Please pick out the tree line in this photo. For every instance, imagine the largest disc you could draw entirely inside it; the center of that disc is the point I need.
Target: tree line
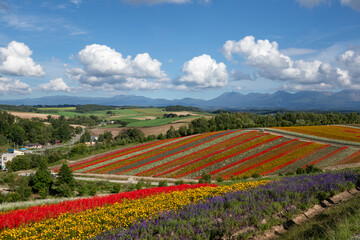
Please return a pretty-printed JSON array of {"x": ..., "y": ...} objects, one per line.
[{"x": 15, "y": 130}]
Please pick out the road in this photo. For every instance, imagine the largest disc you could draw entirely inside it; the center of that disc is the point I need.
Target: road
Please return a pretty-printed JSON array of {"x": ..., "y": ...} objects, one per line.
[{"x": 72, "y": 142}]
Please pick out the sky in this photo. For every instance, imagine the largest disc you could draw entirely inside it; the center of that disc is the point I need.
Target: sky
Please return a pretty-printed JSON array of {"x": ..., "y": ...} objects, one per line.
[{"x": 175, "y": 49}]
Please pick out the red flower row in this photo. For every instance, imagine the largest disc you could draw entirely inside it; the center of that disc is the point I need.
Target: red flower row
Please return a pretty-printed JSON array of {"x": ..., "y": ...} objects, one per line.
[
  {"x": 215, "y": 149},
  {"x": 175, "y": 153},
  {"x": 16, "y": 218}
]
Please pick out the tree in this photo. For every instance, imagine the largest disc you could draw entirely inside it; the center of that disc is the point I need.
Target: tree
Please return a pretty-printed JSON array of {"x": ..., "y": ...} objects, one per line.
[
  {"x": 65, "y": 176},
  {"x": 41, "y": 181},
  {"x": 17, "y": 134},
  {"x": 172, "y": 133}
]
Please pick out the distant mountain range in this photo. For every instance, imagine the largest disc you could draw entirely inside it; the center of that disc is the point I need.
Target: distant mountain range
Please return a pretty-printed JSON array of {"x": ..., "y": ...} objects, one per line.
[{"x": 304, "y": 100}]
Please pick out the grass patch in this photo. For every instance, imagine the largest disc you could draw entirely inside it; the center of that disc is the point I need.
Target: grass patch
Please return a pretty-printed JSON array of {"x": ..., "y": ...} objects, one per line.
[
  {"x": 339, "y": 222},
  {"x": 155, "y": 122}
]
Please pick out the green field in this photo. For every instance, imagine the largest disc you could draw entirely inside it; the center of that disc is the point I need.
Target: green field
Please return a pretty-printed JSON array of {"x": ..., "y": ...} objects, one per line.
[{"x": 132, "y": 116}]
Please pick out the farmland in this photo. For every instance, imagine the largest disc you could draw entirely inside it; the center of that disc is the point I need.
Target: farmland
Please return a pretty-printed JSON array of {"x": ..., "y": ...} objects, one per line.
[
  {"x": 135, "y": 117},
  {"x": 341, "y": 134},
  {"x": 243, "y": 209},
  {"x": 222, "y": 154}
]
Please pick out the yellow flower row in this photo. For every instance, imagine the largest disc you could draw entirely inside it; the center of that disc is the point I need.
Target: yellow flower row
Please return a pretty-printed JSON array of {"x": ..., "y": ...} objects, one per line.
[{"x": 90, "y": 223}]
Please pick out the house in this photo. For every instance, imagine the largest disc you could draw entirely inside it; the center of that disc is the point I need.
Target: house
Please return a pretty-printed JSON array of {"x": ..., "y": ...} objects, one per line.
[
  {"x": 33, "y": 145},
  {"x": 9, "y": 156}
]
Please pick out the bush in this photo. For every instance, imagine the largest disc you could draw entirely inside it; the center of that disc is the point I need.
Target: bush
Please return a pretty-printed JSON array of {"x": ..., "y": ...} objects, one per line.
[
  {"x": 138, "y": 185},
  {"x": 163, "y": 183},
  {"x": 179, "y": 182},
  {"x": 312, "y": 169},
  {"x": 206, "y": 178},
  {"x": 289, "y": 173},
  {"x": 256, "y": 175},
  {"x": 93, "y": 191},
  {"x": 116, "y": 188},
  {"x": 82, "y": 190},
  {"x": 63, "y": 190},
  {"x": 44, "y": 192},
  {"x": 245, "y": 177},
  {"x": 219, "y": 179},
  {"x": 300, "y": 171}
]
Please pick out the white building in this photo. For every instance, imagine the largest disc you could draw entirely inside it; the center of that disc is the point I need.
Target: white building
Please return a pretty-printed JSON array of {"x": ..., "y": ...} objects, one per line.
[{"x": 6, "y": 157}]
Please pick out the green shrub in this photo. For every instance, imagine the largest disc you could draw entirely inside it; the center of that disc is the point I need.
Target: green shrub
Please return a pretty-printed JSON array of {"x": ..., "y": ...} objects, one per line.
[
  {"x": 138, "y": 185},
  {"x": 93, "y": 191},
  {"x": 256, "y": 175},
  {"x": 116, "y": 188},
  {"x": 206, "y": 177},
  {"x": 179, "y": 182},
  {"x": 163, "y": 183},
  {"x": 219, "y": 179},
  {"x": 300, "y": 171},
  {"x": 312, "y": 169},
  {"x": 245, "y": 177}
]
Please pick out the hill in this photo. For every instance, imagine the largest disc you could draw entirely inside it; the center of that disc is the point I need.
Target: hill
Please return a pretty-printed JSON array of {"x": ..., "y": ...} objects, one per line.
[
  {"x": 346, "y": 100},
  {"x": 222, "y": 154}
]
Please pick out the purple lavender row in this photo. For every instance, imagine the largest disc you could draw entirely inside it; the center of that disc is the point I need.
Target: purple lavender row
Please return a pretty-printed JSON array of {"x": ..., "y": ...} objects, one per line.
[{"x": 253, "y": 210}]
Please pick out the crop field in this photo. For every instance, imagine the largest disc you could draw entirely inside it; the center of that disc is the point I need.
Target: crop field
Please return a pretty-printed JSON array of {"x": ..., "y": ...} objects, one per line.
[
  {"x": 342, "y": 133},
  {"x": 199, "y": 211},
  {"x": 136, "y": 117},
  {"x": 222, "y": 154}
]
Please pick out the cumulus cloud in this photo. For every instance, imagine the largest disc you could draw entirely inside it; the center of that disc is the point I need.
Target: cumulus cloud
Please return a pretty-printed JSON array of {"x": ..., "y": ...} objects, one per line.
[
  {"x": 10, "y": 86},
  {"x": 203, "y": 72},
  {"x": 103, "y": 65},
  {"x": 349, "y": 63},
  {"x": 297, "y": 74},
  {"x": 15, "y": 60},
  {"x": 55, "y": 85},
  {"x": 355, "y": 4}
]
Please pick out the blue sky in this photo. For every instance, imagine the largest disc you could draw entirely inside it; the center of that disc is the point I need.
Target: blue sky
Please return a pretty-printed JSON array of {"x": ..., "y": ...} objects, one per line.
[{"x": 177, "y": 48}]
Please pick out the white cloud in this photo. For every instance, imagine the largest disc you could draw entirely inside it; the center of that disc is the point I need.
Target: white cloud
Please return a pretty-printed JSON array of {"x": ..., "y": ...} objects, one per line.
[
  {"x": 204, "y": 72},
  {"x": 55, "y": 85},
  {"x": 355, "y": 4},
  {"x": 311, "y": 3},
  {"x": 10, "y": 86},
  {"x": 272, "y": 64},
  {"x": 105, "y": 66},
  {"x": 350, "y": 62},
  {"x": 15, "y": 60},
  {"x": 40, "y": 23},
  {"x": 297, "y": 75},
  {"x": 76, "y": 2}
]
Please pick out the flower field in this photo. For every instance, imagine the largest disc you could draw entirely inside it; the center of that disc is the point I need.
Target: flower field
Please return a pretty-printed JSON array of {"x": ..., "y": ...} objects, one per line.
[
  {"x": 224, "y": 154},
  {"x": 238, "y": 214},
  {"x": 343, "y": 133},
  {"x": 82, "y": 219}
]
